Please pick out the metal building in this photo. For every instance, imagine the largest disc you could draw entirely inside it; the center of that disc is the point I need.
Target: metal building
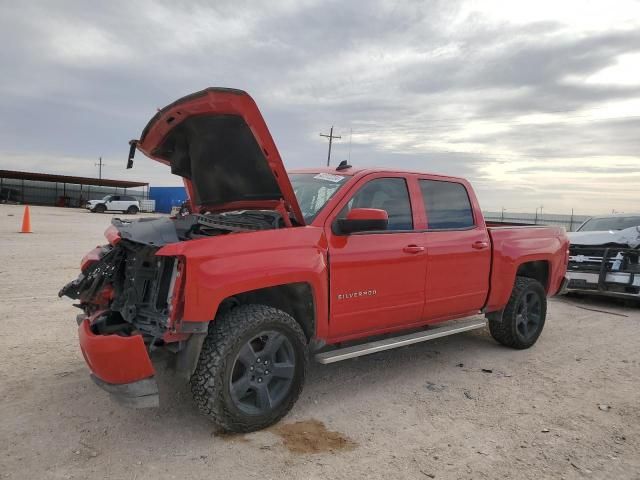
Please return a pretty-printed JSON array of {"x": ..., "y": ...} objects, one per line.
[
  {"x": 62, "y": 190},
  {"x": 167, "y": 197}
]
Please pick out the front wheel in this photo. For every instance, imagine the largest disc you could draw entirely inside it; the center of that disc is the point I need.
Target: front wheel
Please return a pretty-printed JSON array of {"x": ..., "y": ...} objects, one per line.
[
  {"x": 523, "y": 317},
  {"x": 100, "y": 208},
  {"x": 251, "y": 369}
]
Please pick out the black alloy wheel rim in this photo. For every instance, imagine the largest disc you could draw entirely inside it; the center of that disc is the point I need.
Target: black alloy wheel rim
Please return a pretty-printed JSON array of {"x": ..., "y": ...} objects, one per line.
[
  {"x": 529, "y": 315},
  {"x": 262, "y": 373}
]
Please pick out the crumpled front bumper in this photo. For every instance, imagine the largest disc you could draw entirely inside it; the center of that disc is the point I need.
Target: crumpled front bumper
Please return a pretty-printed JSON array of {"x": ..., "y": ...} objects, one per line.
[
  {"x": 120, "y": 365},
  {"x": 600, "y": 284}
]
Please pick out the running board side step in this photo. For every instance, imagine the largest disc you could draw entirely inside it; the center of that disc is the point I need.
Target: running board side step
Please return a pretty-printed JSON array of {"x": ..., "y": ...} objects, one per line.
[{"x": 451, "y": 328}]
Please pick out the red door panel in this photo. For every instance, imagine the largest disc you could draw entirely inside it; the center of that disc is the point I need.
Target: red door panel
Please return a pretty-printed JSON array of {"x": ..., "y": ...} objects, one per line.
[
  {"x": 458, "y": 249},
  {"x": 376, "y": 282},
  {"x": 377, "y": 279},
  {"x": 458, "y": 265}
]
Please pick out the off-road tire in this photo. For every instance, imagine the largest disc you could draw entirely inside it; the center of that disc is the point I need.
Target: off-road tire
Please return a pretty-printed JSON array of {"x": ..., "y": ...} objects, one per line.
[
  {"x": 132, "y": 210},
  {"x": 506, "y": 331},
  {"x": 100, "y": 208},
  {"x": 210, "y": 383}
]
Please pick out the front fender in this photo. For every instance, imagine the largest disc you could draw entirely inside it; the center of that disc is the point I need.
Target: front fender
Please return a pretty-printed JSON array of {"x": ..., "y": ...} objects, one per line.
[{"x": 224, "y": 266}]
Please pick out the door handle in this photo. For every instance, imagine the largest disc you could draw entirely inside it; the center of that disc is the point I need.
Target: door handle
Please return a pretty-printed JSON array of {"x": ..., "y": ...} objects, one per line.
[
  {"x": 479, "y": 245},
  {"x": 413, "y": 249}
]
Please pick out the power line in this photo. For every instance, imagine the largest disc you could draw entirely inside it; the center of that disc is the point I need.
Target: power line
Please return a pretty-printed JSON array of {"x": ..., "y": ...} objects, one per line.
[{"x": 331, "y": 136}]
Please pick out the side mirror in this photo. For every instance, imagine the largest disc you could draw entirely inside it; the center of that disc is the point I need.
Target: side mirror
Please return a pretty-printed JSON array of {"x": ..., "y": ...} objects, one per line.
[{"x": 363, "y": 220}]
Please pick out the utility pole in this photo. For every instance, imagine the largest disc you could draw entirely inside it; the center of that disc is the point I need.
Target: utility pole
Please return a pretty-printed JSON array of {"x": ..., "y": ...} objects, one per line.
[
  {"x": 331, "y": 136},
  {"x": 538, "y": 208},
  {"x": 99, "y": 165}
]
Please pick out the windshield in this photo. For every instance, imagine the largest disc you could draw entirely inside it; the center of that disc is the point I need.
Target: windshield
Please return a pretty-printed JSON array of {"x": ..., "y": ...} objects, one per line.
[
  {"x": 313, "y": 191},
  {"x": 106, "y": 199},
  {"x": 609, "y": 223}
]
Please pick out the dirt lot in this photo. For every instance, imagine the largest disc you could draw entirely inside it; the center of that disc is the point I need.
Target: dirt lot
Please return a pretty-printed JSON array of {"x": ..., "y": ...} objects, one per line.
[{"x": 458, "y": 407}]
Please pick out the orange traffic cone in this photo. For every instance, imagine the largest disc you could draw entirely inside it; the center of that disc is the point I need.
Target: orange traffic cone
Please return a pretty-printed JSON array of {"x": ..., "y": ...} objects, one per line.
[{"x": 26, "y": 220}]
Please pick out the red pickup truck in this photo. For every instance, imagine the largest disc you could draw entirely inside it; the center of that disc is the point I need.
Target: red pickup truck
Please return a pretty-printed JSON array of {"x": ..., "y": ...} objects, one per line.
[{"x": 271, "y": 268}]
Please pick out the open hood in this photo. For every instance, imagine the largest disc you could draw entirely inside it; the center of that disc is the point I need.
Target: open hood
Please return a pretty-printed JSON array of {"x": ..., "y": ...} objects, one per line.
[
  {"x": 219, "y": 143},
  {"x": 629, "y": 237}
]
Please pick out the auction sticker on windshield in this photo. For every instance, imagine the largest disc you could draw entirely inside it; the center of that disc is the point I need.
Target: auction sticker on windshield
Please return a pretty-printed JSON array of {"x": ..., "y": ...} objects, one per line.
[{"x": 329, "y": 177}]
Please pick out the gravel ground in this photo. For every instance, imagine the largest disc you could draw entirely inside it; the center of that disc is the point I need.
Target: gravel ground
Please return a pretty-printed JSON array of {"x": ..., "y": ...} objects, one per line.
[{"x": 457, "y": 407}]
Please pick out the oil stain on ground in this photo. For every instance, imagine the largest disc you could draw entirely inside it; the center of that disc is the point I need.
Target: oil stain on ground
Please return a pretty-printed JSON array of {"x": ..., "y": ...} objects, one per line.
[{"x": 311, "y": 436}]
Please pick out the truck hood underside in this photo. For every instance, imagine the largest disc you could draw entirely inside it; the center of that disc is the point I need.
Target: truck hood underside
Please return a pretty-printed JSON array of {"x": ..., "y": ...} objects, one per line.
[{"x": 219, "y": 143}]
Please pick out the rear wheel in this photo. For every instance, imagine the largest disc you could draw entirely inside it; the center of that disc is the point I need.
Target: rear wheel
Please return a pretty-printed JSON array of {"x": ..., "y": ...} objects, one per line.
[
  {"x": 251, "y": 369},
  {"x": 523, "y": 317},
  {"x": 132, "y": 210},
  {"x": 100, "y": 208}
]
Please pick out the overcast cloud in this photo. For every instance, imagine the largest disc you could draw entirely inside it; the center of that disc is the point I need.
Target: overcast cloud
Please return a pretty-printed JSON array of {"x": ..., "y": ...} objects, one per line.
[{"x": 537, "y": 103}]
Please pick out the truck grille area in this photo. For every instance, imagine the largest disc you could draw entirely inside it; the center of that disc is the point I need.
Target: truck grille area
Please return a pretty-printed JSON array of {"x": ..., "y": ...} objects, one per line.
[
  {"x": 604, "y": 269},
  {"x": 591, "y": 259},
  {"x": 132, "y": 282}
]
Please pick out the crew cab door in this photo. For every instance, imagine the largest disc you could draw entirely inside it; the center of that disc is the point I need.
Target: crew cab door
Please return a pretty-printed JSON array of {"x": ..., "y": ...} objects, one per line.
[
  {"x": 377, "y": 278},
  {"x": 458, "y": 249}
]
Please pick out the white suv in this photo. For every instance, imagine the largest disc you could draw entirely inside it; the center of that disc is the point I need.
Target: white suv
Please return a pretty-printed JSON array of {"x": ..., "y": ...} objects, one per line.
[{"x": 121, "y": 203}]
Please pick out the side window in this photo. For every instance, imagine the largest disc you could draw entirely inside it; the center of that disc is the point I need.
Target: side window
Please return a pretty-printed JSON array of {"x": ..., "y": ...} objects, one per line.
[
  {"x": 115, "y": 198},
  {"x": 388, "y": 194},
  {"x": 128, "y": 199},
  {"x": 447, "y": 204}
]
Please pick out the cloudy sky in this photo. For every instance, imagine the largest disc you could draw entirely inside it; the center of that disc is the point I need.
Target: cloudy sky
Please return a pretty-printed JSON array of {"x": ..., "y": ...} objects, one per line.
[{"x": 537, "y": 103}]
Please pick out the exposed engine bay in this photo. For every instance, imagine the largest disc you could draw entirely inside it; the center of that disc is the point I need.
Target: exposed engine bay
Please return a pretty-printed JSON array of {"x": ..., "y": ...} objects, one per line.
[
  {"x": 135, "y": 286},
  {"x": 161, "y": 231}
]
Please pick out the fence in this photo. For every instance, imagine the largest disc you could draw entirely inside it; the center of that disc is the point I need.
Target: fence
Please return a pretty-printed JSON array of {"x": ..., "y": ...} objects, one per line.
[{"x": 570, "y": 222}]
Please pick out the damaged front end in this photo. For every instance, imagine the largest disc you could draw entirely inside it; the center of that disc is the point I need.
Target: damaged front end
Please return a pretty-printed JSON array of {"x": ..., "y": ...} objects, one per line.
[
  {"x": 611, "y": 268},
  {"x": 129, "y": 281},
  {"x": 125, "y": 292},
  {"x": 130, "y": 292},
  {"x": 608, "y": 270},
  {"x": 132, "y": 299}
]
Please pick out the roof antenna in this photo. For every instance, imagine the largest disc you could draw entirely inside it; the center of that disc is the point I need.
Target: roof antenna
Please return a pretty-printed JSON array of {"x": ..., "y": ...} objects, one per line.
[{"x": 344, "y": 165}]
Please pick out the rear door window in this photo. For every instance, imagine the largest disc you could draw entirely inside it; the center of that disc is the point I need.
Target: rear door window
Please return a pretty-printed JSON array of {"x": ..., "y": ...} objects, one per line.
[{"x": 447, "y": 205}]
